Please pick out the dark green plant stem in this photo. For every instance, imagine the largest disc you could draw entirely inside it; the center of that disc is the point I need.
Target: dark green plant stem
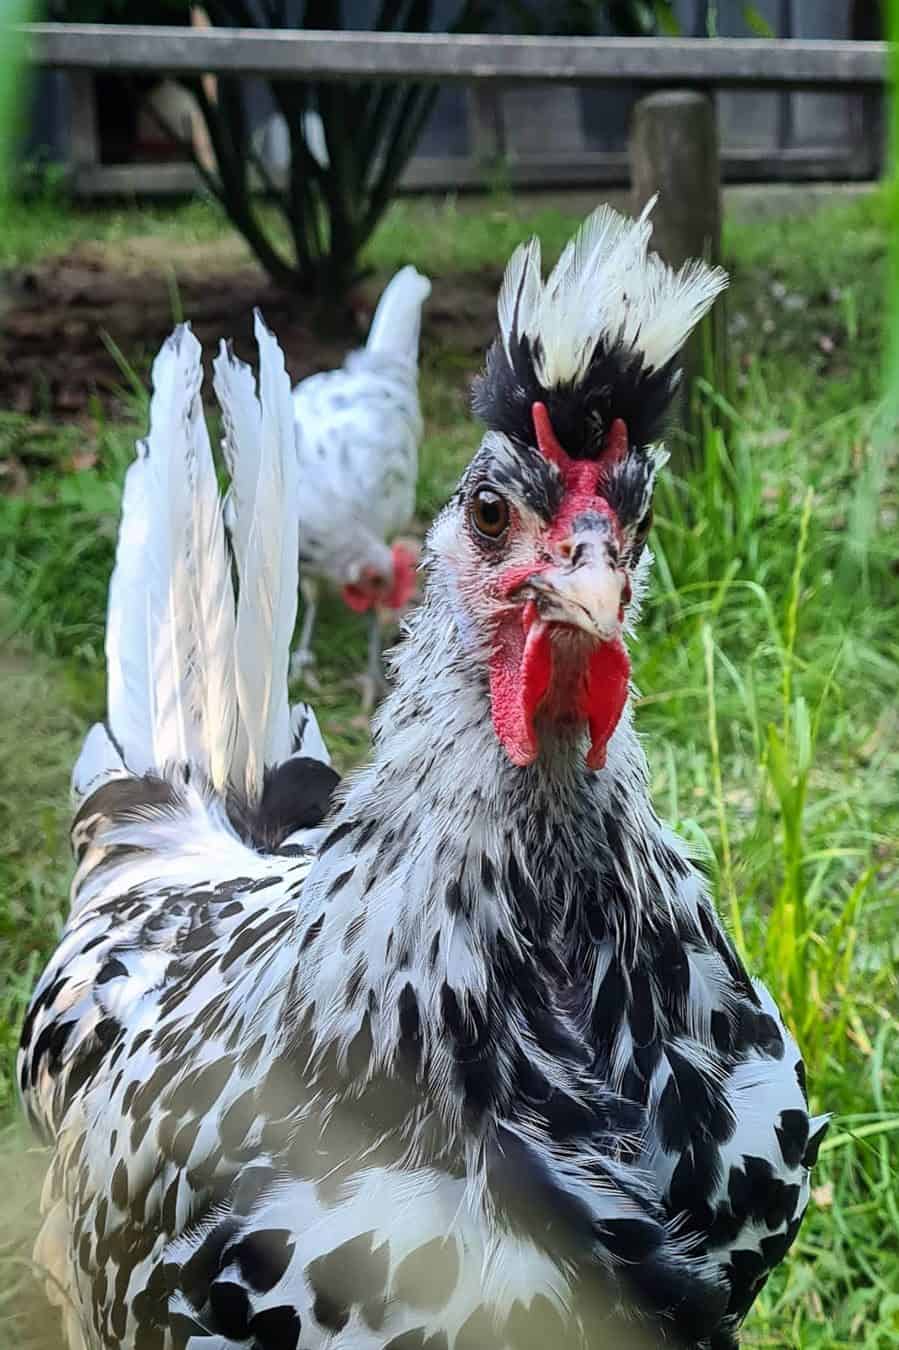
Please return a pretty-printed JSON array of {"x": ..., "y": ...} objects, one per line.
[
  {"x": 371, "y": 129},
  {"x": 235, "y": 197}
]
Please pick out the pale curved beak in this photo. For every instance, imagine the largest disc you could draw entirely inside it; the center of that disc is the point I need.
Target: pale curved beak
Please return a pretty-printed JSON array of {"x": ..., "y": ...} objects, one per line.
[{"x": 585, "y": 590}]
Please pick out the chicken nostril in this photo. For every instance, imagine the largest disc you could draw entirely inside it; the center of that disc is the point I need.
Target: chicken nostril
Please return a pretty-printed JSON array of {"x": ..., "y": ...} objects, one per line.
[{"x": 579, "y": 554}]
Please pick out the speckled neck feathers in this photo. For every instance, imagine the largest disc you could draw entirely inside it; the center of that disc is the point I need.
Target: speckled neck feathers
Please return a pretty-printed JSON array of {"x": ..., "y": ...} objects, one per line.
[{"x": 452, "y": 873}]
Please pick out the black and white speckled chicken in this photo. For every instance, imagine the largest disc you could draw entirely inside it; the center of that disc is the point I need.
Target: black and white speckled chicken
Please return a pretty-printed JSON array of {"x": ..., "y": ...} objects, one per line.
[
  {"x": 358, "y": 432},
  {"x": 459, "y": 1057}
]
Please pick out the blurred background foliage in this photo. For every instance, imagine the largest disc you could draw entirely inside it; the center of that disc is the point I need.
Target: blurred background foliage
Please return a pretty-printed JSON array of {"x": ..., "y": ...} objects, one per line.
[{"x": 340, "y": 151}]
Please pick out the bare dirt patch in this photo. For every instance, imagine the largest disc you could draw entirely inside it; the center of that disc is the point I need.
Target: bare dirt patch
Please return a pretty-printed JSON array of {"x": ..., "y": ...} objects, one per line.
[{"x": 54, "y": 362}]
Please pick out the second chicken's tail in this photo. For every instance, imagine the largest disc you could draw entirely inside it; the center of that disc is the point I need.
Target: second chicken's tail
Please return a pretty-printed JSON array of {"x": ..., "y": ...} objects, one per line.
[{"x": 396, "y": 326}]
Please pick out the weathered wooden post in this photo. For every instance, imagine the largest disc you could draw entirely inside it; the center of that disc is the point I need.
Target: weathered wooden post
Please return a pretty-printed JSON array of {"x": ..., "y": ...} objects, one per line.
[
  {"x": 84, "y": 135},
  {"x": 674, "y": 151}
]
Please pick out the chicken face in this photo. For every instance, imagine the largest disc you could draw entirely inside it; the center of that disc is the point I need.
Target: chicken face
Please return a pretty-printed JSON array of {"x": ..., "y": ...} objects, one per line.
[
  {"x": 539, "y": 550},
  {"x": 390, "y": 587}
]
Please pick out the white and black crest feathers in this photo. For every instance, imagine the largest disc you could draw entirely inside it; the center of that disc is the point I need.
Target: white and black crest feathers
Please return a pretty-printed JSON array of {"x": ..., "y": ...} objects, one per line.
[{"x": 598, "y": 340}]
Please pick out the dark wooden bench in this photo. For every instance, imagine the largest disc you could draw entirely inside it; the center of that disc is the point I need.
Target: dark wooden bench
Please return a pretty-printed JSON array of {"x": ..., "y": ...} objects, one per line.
[
  {"x": 715, "y": 62},
  {"x": 486, "y": 65}
]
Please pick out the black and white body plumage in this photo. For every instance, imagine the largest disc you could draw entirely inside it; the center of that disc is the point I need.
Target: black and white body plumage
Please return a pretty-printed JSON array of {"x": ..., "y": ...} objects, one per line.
[
  {"x": 471, "y": 1064},
  {"x": 358, "y": 433}
]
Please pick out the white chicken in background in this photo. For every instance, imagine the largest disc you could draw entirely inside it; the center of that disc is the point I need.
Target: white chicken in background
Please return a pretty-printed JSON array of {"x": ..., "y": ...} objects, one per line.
[{"x": 358, "y": 432}]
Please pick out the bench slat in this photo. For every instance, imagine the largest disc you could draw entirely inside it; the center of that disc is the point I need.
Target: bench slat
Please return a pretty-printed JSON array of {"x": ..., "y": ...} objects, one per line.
[{"x": 301, "y": 54}]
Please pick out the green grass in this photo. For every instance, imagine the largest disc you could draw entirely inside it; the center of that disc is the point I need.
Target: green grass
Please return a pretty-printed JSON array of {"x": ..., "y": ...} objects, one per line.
[
  {"x": 45, "y": 224},
  {"x": 768, "y": 658}
]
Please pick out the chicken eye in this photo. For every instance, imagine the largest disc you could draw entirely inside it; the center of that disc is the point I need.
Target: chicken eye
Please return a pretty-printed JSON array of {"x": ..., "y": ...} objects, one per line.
[{"x": 489, "y": 513}]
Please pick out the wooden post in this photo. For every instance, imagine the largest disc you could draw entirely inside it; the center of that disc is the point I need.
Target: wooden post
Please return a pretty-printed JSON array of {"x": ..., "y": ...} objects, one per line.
[
  {"x": 867, "y": 119},
  {"x": 486, "y": 122},
  {"x": 674, "y": 152},
  {"x": 84, "y": 139}
]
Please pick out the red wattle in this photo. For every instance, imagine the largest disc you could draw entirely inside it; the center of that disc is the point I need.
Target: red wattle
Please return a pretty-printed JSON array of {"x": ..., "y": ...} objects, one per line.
[
  {"x": 357, "y": 598},
  {"x": 403, "y": 588},
  {"x": 603, "y": 696},
  {"x": 520, "y": 672},
  {"x": 521, "y": 664}
]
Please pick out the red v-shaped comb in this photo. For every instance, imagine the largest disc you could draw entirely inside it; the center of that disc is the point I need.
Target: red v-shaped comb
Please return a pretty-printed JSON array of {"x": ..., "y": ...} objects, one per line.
[{"x": 613, "y": 452}]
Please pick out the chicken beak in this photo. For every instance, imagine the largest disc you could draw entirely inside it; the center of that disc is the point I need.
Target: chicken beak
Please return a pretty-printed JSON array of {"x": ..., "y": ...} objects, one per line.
[{"x": 583, "y": 589}]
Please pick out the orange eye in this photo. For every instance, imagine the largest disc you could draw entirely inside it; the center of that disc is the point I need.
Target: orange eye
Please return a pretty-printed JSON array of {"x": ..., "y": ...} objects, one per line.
[{"x": 489, "y": 513}]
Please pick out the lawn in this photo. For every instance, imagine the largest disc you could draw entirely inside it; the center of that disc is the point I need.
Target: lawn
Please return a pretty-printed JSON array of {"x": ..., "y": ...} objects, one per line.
[{"x": 768, "y": 658}]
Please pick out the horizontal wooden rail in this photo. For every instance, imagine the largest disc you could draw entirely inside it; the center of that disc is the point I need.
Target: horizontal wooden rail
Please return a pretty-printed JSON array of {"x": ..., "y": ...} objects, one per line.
[{"x": 301, "y": 54}]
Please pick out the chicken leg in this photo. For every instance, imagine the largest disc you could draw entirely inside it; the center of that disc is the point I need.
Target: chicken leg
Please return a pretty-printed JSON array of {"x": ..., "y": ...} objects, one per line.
[
  {"x": 373, "y": 683},
  {"x": 302, "y": 658}
]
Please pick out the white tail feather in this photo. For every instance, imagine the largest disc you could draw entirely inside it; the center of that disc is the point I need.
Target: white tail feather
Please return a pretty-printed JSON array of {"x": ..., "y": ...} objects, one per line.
[
  {"x": 396, "y": 325},
  {"x": 214, "y": 617},
  {"x": 99, "y": 762},
  {"x": 193, "y": 677},
  {"x": 151, "y": 639},
  {"x": 260, "y": 451},
  {"x": 277, "y": 511}
]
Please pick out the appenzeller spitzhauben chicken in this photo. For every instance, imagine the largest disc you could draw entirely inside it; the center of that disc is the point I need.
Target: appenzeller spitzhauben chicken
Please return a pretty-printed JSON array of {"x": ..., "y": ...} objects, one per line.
[{"x": 457, "y": 1057}]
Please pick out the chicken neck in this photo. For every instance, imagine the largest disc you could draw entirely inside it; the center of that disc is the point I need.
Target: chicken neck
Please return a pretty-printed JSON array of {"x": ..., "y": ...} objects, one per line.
[{"x": 457, "y": 890}]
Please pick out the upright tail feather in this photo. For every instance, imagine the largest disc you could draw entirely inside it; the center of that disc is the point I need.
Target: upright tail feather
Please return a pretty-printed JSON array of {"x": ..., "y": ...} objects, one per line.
[
  {"x": 196, "y": 676},
  {"x": 170, "y": 624},
  {"x": 260, "y": 452},
  {"x": 397, "y": 323}
]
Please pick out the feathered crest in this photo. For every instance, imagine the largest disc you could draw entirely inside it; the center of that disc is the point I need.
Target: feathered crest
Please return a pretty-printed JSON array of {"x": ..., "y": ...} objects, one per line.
[{"x": 598, "y": 340}]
